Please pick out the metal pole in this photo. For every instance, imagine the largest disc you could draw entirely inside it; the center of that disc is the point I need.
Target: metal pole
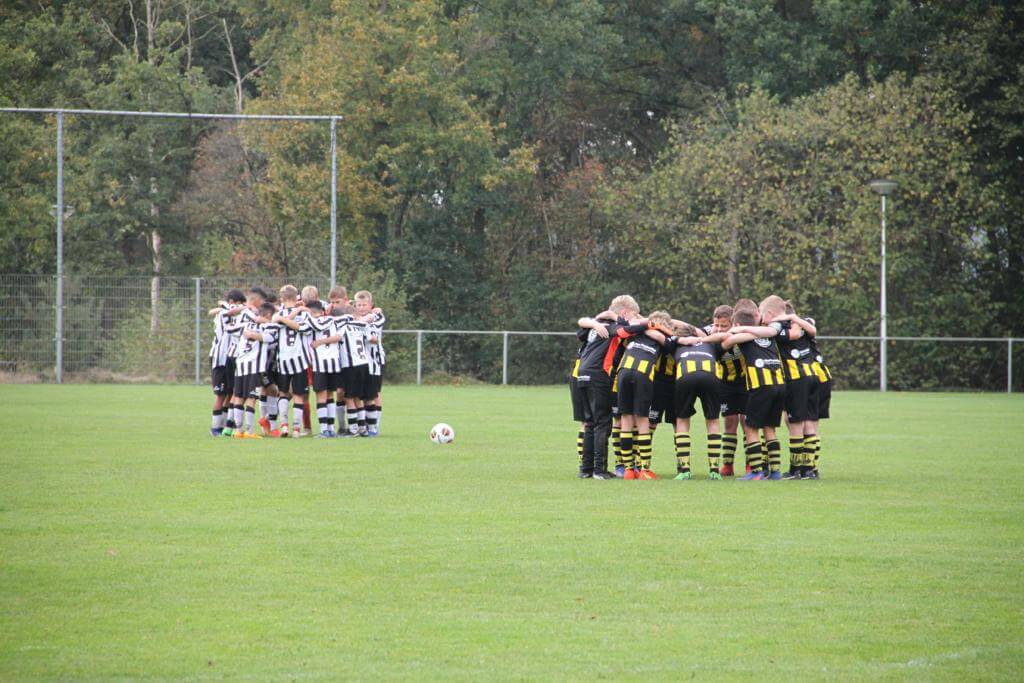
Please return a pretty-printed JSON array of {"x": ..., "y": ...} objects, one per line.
[
  {"x": 198, "y": 280},
  {"x": 883, "y": 380},
  {"x": 504, "y": 357},
  {"x": 419, "y": 356},
  {"x": 59, "y": 367},
  {"x": 334, "y": 201},
  {"x": 1009, "y": 365}
]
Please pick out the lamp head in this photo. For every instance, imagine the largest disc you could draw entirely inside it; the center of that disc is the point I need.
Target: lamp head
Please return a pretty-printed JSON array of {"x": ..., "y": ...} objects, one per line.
[{"x": 883, "y": 187}]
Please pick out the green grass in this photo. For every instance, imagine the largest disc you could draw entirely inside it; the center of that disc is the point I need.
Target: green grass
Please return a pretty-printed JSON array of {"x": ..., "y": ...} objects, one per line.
[{"x": 134, "y": 545}]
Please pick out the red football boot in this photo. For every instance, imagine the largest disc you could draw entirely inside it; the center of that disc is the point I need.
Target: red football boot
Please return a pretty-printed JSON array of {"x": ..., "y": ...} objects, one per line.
[
  {"x": 264, "y": 424},
  {"x": 648, "y": 474},
  {"x": 726, "y": 471},
  {"x": 631, "y": 474}
]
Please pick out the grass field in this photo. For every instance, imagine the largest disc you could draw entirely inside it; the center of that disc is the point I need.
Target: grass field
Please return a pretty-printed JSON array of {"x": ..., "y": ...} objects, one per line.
[{"x": 134, "y": 545}]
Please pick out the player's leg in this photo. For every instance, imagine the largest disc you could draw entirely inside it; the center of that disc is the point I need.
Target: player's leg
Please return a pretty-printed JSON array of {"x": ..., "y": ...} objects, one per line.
[
  {"x": 711, "y": 405},
  {"x": 730, "y": 441},
  {"x": 752, "y": 445},
  {"x": 773, "y": 449},
  {"x": 601, "y": 414},
  {"x": 682, "y": 443}
]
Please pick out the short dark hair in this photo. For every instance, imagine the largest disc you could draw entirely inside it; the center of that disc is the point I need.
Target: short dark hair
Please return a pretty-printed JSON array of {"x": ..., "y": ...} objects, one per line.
[
  {"x": 744, "y": 316},
  {"x": 268, "y": 309},
  {"x": 314, "y": 305},
  {"x": 235, "y": 296},
  {"x": 723, "y": 311}
]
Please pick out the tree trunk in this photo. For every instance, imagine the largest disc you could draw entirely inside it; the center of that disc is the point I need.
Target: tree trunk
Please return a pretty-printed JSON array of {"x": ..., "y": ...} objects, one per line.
[
  {"x": 154, "y": 243},
  {"x": 733, "y": 275}
]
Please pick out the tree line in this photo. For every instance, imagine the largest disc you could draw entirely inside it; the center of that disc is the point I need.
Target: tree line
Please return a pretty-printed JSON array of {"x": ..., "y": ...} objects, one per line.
[{"x": 510, "y": 164}]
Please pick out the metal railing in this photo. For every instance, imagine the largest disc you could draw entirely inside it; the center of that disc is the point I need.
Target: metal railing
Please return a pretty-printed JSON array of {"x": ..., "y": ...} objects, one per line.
[{"x": 108, "y": 322}]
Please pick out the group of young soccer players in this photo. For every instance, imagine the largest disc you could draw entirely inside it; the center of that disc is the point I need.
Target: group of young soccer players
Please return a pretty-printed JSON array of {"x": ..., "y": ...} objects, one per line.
[
  {"x": 749, "y": 366},
  {"x": 270, "y": 349}
]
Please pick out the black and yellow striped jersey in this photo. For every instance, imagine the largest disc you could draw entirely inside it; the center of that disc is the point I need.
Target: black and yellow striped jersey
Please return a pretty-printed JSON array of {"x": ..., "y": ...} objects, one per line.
[
  {"x": 763, "y": 365},
  {"x": 665, "y": 368},
  {"x": 796, "y": 354},
  {"x": 733, "y": 369},
  {"x": 701, "y": 357},
  {"x": 818, "y": 365}
]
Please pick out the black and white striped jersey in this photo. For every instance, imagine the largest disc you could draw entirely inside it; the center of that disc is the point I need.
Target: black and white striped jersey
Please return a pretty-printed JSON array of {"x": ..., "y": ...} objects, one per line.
[
  {"x": 353, "y": 351},
  {"x": 254, "y": 356},
  {"x": 234, "y": 328},
  {"x": 325, "y": 359},
  {"x": 221, "y": 339},
  {"x": 375, "y": 329},
  {"x": 293, "y": 345}
]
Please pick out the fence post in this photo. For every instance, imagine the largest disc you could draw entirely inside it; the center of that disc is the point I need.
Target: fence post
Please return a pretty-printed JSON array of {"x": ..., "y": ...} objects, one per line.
[
  {"x": 59, "y": 360},
  {"x": 1009, "y": 365},
  {"x": 504, "y": 358},
  {"x": 198, "y": 280},
  {"x": 419, "y": 356}
]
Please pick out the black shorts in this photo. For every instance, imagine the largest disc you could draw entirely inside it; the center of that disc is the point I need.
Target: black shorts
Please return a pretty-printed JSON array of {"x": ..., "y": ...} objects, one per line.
[
  {"x": 597, "y": 401},
  {"x": 799, "y": 394},
  {"x": 579, "y": 413},
  {"x": 246, "y": 385},
  {"x": 297, "y": 384},
  {"x": 636, "y": 393},
  {"x": 222, "y": 379},
  {"x": 354, "y": 381},
  {"x": 764, "y": 406},
  {"x": 733, "y": 397},
  {"x": 694, "y": 385},
  {"x": 824, "y": 399},
  {"x": 269, "y": 377},
  {"x": 663, "y": 408},
  {"x": 373, "y": 384},
  {"x": 326, "y": 381}
]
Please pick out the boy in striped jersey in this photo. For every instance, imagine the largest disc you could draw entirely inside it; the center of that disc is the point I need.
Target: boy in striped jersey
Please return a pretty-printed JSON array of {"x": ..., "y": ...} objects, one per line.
[
  {"x": 242, "y": 316},
  {"x": 292, "y": 361},
  {"x": 251, "y": 361},
  {"x": 355, "y": 371},
  {"x": 767, "y": 392},
  {"x": 375, "y": 351},
  {"x": 733, "y": 391},
  {"x": 326, "y": 365},
  {"x": 222, "y": 364}
]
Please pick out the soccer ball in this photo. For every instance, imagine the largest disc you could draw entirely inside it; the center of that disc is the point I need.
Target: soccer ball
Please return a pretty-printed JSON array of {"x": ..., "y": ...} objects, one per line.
[{"x": 442, "y": 433}]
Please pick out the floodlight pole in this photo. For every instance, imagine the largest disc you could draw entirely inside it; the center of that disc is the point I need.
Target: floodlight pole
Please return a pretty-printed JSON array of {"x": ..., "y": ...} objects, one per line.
[
  {"x": 883, "y": 379},
  {"x": 883, "y": 188},
  {"x": 334, "y": 200},
  {"x": 59, "y": 340}
]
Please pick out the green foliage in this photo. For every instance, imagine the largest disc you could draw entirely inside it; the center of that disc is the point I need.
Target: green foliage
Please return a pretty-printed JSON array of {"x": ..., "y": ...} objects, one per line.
[{"x": 516, "y": 164}]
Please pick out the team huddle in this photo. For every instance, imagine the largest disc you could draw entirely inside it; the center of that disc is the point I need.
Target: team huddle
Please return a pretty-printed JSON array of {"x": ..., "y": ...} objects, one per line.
[
  {"x": 751, "y": 364},
  {"x": 271, "y": 349}
]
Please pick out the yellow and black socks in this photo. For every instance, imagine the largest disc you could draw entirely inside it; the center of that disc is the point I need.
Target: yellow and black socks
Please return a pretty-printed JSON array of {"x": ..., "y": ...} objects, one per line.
[
  {"x": 714, "y": 451},
  {"x": 812, "y": 446},
  {"x": 626, "y": 444},
  {"x": 644, "y": 450},
  {"x": 729, "y": 444},
  {"x": 796, "y": 453},
  {"x": 682, "y": 452},
  {"x": 580, "y": 436},
  {"x": 774, "y": 452},
  {"x": 754, "y": 457},
  {"x": 617, "y": 446}
]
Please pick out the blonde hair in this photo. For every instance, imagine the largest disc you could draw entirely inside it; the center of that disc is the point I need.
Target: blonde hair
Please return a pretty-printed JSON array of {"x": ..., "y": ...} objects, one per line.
[
  {"x": 338, "y": 292},
  {"x": 624, "y": 302},
  {"x": 310, "y": 293},
  {"x": 289, "y": 293},
  {"x": 772, "y": 305},
  {"x": 660, "y": 317},
  {"x": 685, "y": 330},
  {"x": 364, "y": 295}
]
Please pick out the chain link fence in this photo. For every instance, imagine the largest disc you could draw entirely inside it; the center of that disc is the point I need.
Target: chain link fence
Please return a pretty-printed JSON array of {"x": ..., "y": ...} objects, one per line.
[{"x": 135, "y": 329}]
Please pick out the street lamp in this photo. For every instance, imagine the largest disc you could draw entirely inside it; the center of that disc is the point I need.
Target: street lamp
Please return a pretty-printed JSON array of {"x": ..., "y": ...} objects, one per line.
[{"x": 883, "y": 188}]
